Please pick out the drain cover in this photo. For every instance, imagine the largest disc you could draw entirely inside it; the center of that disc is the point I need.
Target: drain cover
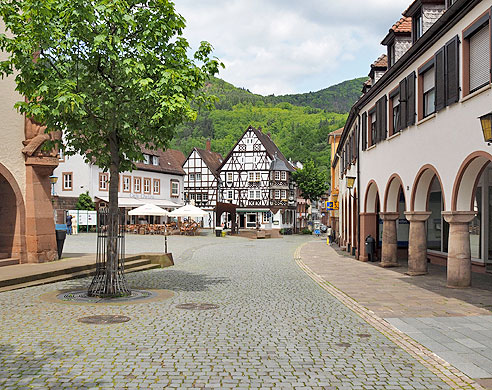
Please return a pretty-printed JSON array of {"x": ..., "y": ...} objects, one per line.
[
  {"x": 81, "y": 296},
  {"x": 105, "y": 319},
  {"x": 343, "y": 344},
  {"x": 197, "y": 306},
  {"x": 364, "y": 335}
]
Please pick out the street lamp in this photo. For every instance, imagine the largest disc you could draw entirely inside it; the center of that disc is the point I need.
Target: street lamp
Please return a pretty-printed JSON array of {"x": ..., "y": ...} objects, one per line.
[
  {"x": 486, "y": 122},
  {"x": 53, "y": 180},
  {"x": 350, "y": 182}
]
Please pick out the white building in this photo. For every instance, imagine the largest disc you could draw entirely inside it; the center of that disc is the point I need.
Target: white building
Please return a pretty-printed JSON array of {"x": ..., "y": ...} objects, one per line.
[
  {"x": 200, "y": 182},
  {"x": 157, "y": 180},
  {"x": 415, "y": 146},
  {"x": 256, "y": 180}
]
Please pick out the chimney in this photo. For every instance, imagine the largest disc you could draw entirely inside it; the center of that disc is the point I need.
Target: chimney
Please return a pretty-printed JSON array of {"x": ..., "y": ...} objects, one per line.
[
  {"x": 269, "y": 135},
  {"x": 208, "y": 146}
]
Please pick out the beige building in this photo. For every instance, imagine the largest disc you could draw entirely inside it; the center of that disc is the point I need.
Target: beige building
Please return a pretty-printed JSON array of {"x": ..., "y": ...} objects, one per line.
[
  {"x": 414, "y": 144},
  {"x": 27, "y": 230}
]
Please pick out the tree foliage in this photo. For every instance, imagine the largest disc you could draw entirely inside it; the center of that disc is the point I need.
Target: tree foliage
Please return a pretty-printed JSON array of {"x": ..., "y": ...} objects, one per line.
[
  {"x": 311, "y": 181},
  {"x": 85, "y": 202}
]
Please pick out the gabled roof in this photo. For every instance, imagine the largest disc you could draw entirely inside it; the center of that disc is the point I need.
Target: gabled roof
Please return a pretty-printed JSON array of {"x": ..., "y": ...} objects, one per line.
[
  {"x": 404, "y": 25},
  {"x": 170, "y": 161},
  {"x": 381, "y": 62},
  {"x": 211, "y": 159},
  {"x": 269, "y": 145}
]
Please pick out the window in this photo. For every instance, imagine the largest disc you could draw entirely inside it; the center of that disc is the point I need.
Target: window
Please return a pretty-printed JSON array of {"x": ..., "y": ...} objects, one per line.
[
  {"x": 284, "y": 195},
  {"x": 418, "y": 26},
  {"x": 192, "y": 196},
  {"x": 266, "y": 217},
  {"x": 429, "y": 93},
  {"x": 127, "y": 183},
  {"x": 257, "y": 176},
  {"x": 284, "y": 176},
  {"x": 205, "y": 197},
  {"x": 61, "y": 155},
  {"x": 476, "y": 54},
  {"x": 192, "y": 177},
  {"x": 67, "y": 184},
  {"x": 277, "y": 194},
  {"x": 155, "y": 160},
  {"x": 229, "y": 177},
  {"x": 174, "y": 188},
  {"x": 373, "y": 127},
  {"x": 103, "y": 181},
  {"x": 137, "y": 181},
  {"x": 228, "y": 194},
  {"x": 395, "y": 113},
  {"x": 391, "y": 54},
  {"x": 146, "y": 158},
  {"x": 277, "y": 175},
  {"x": 198, "y": 197},
  {"x": 198, "y": 176},
  {"x": 157, "y": 186},
  {"x": 146, "y": 185},
  {"x": 254, "y": 194},
  {"x": 251, "y": 176}
]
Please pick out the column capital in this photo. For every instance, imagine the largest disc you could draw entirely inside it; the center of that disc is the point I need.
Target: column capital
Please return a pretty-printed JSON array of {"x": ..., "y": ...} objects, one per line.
[
  {"x": 389, "y": 216},
  {"x": 458, "y": 216},
  {"x": 417, "y": 216}
]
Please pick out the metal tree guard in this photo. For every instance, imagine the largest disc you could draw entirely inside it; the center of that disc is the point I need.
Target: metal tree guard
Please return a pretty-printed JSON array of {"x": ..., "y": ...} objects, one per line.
[{"x": 109, "y": 280}]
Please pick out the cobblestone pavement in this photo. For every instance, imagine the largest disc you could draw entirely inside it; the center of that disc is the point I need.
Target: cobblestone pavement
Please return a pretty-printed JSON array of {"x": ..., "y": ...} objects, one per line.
[{"x": 274, "y": 328}]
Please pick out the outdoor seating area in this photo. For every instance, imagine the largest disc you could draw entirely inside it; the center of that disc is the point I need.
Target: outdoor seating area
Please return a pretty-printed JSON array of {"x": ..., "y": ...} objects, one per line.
[{"x": 184, "y": 228}]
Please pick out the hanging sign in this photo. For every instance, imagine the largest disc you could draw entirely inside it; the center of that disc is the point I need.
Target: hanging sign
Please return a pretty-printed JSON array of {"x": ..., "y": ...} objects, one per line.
[{"x": 331, "y": 206}]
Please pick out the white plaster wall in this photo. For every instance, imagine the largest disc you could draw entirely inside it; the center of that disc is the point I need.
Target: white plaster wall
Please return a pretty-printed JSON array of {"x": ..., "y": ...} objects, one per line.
[
  {"x": 443, "y": 141},
  {"x": 11, "y": 128}
]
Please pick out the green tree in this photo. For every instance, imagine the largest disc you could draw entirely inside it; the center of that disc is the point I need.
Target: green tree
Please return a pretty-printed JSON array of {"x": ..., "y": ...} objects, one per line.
[
  {"x": 85, "y": 202},
  {"x": 113, "y": 75},
  {"x": 311, "y": 181}
]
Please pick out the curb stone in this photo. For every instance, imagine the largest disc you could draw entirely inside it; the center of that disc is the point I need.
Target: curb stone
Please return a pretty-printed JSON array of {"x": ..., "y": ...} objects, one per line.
[{"x": 442, "y": 369}]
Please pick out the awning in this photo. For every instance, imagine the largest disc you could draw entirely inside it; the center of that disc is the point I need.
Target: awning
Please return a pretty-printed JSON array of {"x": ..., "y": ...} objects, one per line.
[
  {"x": 132, "y": 202},
  {"x": 252, "y": 210}
]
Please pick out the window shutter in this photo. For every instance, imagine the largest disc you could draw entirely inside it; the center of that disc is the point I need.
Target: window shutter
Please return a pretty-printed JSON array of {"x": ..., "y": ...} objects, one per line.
[
  {"x": 480, "y": 58},
  {"x": 378, "y": 121},
  {"x": 440, "y": 79},
  {"x": 403, "y": 104},
  {"x": 410, "y": 100},
  {"x": 452, "y": 71},
  {"x": 364, "y": 131},
  {"x": 384, "y": 117}
]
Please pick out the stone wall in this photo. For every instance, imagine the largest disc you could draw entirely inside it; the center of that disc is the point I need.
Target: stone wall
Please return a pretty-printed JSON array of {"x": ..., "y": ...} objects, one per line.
[
  {"x": 402, "y": 44},
  {"x": 430, "y": 14},
  {"x": 62, "y": 204}
]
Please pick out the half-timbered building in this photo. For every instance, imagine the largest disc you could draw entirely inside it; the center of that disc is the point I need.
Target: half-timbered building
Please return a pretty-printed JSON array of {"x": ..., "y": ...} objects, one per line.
[
  {"x": 256, "y": 178},
  {"x": 200, "y": 182}
]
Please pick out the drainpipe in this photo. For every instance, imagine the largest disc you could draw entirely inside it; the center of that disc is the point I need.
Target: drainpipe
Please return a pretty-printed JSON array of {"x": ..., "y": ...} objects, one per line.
[{"x": 358, "y": 187}]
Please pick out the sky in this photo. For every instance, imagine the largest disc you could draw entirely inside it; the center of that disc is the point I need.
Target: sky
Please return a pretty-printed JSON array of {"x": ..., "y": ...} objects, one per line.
[{"x": 291, "y": 46}]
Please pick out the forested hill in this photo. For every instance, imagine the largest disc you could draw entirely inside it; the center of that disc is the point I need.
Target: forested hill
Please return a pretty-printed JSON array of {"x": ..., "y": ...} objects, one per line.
[{"x": 299, "y": 124}]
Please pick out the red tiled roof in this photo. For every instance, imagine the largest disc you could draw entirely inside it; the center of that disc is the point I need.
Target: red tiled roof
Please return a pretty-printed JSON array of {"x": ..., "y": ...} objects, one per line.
[
  {"x": 337, "y": 132},
  {"x": 381, "y": 62},
  {"x": 212, "y": 159},
  {"x": 170, "y": 161},
  {"x": 404, "y": 25}
]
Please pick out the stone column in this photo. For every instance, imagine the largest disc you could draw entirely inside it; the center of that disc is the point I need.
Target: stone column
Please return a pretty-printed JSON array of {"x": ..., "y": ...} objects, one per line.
[
  {"x": 390, "y": 244},
  {"x": 459, "y": 254},
  {"x": 417, "y": 242}
]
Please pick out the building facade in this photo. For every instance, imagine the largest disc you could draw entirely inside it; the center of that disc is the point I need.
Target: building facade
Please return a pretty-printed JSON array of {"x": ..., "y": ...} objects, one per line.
[
  {"x": 414, "y": 144},
  {"x": 157, "y": 180},
  {"x": 257, "y": 179},
  {"x": 201, "y": 181}
]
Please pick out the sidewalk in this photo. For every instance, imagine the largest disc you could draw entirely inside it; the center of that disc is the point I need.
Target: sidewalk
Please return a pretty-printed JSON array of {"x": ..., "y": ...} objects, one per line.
[{"x": 455, "y": 324}]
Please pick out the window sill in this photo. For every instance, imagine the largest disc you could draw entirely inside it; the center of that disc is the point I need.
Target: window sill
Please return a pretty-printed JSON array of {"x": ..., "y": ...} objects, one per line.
[
  {"x": 371, "y": 147},
  {"x": 427, "y": 118},
  {"x": 477, "y": 92},
  {"x": 394, "y": 135}
]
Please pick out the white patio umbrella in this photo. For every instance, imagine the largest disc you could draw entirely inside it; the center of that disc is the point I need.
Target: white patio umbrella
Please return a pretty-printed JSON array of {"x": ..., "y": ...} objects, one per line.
[
  {"x": 188, "y": 211},
  {"x": 149, "y": 209}
]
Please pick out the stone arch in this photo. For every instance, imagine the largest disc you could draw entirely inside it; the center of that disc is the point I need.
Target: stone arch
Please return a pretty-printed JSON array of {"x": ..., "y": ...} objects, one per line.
[
  {"x": 13, "y": 216},
  {"x": 466, "y": 181},
  {"x": 392, "y": 193},
  {"x": 421, "y": 188},
  {"x": 372, "y": 196}
]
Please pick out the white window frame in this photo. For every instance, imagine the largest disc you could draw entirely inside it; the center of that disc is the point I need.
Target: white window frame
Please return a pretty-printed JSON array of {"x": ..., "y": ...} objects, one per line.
[
  {"x": 174, "y": 188},
  {"x": 67, "y": 179},
  {"x": 103, "y": 181},
  {"x": 158, "y": 190},
  {"x": 147, "y": 188},
  {"x": 229, "y": 177},
  {"x": 198, "y": 177},
  {"x": 192, "y": 176},
  {"x": 127, "y": 186},
  {"x": 283, "y": 176},
  {"x": 277, "y": 175},
  {"x": 155, "y": 160},
  {"x": 277, "y": 194},
  {"x": 146, "y": 158}
]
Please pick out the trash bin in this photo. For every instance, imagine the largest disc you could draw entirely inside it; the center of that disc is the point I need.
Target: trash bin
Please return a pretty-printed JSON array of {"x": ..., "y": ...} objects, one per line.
[
  {"x": 60, "y": 240},
  {"x": 218, "y": 231},
  {"x": 370, "y": 247}
]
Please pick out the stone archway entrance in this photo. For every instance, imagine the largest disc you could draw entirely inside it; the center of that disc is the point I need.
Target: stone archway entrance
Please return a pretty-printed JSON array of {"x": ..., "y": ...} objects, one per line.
[
  {"x": 369, "y": 221},
  {"x": 12, "y": 217}
]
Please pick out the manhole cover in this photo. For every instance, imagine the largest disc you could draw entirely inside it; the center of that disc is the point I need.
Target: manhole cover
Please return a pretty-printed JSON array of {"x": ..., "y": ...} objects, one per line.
[
  {"x": 197, "y": 306},
  {"x": 343, "y": 344},
  {"x": 105, "y": 319},
  {"x": 82, "y": 297},
  {"x": 364, "y": 335}
]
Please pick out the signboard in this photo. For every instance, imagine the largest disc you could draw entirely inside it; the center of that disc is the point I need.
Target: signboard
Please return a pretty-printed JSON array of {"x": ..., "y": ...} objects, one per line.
[
  {"x": 84, "y": 217},
  {"x": 331, "y": 206}
]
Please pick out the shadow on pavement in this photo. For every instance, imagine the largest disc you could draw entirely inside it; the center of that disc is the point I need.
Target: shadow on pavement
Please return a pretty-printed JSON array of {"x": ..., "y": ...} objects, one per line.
[{"x": 32, "y": 368}]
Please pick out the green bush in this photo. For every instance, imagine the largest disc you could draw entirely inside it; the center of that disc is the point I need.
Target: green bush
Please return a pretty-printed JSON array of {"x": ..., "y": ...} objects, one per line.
[
  {"x": 85, "y": 202},
  {"x": 306, "y": 231}
]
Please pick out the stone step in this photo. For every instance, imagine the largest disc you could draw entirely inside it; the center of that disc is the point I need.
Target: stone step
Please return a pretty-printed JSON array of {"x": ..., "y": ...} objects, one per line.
[
  {"x": 4, "y": 255},
  {"x": 132, "y": 264},
  {"x": 4, "y": 261}
]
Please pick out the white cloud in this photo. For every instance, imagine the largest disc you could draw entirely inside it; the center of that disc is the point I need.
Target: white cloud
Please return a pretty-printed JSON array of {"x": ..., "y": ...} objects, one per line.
[{"x": 289, "y": 46}]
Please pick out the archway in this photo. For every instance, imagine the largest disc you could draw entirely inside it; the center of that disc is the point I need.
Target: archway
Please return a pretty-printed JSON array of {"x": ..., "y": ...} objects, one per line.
[
  {"x": 470, "y": 219},
  {"x": 12, "y": 214},
  {"x": 369, "y": 219},
  {"x": 395, "y": 226}
]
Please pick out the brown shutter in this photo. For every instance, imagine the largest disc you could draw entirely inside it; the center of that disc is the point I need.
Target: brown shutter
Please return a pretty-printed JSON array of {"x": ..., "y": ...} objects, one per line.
[
  {"x": 403, "y": 104},
  {"x": 452, "y": 71},
  {"x": 364, "y": 131},
  {"x": 378, "y": 122},
  {"x": 440, "y": 80},
  {"x": 384, "y": 102},
  {"x": 410, "y": 100}
]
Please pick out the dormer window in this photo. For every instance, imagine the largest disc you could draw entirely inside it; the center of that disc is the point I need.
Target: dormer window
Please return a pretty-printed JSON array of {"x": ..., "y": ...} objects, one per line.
[
  {"x": 155, "y": 160},
  {"x": 418, "y": 26},
  {"x": 146, "y": 158},
  {"x": 391, "y": 54}
]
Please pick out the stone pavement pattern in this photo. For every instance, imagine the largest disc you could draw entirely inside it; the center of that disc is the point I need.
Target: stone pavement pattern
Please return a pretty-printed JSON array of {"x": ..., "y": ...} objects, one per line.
[
  {"x": 455, "y": 324},
  {"x": 274, "y": 328}
]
